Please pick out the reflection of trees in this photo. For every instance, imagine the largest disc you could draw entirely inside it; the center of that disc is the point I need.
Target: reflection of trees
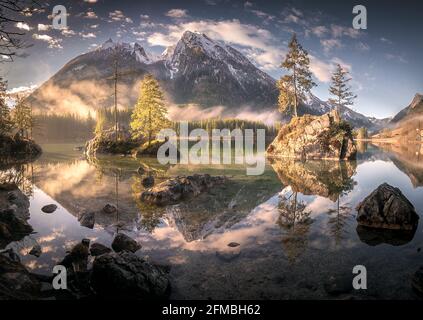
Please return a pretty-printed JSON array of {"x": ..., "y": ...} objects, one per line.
[
  {"x": 149, "y": 215},
  {"x": 328, "y": 179},
  {"x": 22, "y": 175},
  {"x": 296, "y": 222},
  {"x": 338, "y": 220}
]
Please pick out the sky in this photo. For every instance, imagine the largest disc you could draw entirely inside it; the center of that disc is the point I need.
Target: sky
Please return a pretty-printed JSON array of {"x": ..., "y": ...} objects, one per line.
[{"x": 384, "y": 60}]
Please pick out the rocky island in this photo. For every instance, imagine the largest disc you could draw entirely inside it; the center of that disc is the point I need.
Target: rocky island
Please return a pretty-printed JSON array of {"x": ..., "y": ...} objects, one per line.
[{"x": 315, "y": 137}]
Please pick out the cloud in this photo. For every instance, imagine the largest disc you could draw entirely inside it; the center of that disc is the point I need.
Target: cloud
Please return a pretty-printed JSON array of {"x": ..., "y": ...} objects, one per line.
[
  {"x": 363, "y": 46},
  {"x": 319, "y": 31},
  {"x": 339, "y": 31},
  {"x": 396, "y": 57},
  {"x": 52, "y": 42},
  {"x": 23, "y": 26},
  {"x": 91, "y": 15},
  {"x": 118, "y": 15},
  {"x": 44, "y": 27},
  {"x": 90, "y": 1},
  {"x": 68, "y": 32},
  {"x": 177, "y": 13},
  {"x": 385, "y": 40},
  {"x": 87, "y": 35},
  {"x": 330, "y": 44},
  {"x": 247, "y": 4},
  {"x": 320, "y": 69}
]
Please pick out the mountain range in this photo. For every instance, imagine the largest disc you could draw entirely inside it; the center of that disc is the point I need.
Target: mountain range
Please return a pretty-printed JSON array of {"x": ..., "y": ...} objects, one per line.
[{"x": 197, "y": 70}]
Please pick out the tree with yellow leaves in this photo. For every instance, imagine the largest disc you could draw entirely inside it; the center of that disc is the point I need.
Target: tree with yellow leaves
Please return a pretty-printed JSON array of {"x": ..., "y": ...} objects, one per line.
[{"x": 150, "y": 114}]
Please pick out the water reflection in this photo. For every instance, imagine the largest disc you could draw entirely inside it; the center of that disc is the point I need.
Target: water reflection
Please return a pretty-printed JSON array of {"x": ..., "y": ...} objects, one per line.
[{"x": 296, "y": 221}]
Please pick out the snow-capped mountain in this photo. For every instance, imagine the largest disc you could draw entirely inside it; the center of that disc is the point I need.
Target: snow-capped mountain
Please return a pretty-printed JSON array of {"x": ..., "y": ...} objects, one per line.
[{"x": 196, "y": 70}]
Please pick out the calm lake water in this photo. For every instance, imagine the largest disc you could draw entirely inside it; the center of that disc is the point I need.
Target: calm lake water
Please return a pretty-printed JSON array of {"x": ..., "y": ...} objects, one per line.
[{"x": 295, "y": 223}]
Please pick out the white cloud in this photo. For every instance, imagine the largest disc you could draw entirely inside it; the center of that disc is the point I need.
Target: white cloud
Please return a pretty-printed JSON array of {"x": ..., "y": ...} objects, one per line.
[
  {"x": 144, "y": 16},
  {"x": 319, "y": 31},
  {"x": 339, "y": 31},
  {"x": 91, "y": 15},
  {"x": 87, "y": 35},
  {"x": 117, "y": 15},
  {"x": 329, "y": 44},
  {"x": 52, "y": 42},
  {"x": 23, "y": 26},
  {"x": 68, "y": 32},
  {"x": 177, "y": 13},
  {"x": 91, "y": 1},
  {"x": 320, "y": 69},
  {"x": 43, "y": 27}
]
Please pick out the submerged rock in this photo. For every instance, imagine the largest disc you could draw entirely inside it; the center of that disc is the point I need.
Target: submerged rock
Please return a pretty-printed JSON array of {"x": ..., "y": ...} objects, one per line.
[
  {"x": 109, "y": 209},
  {"x": 387, "y": 208},
  {"x": 97, "y": 249},
  {"x": 50, "y": 208},
  {"x": 125, "y": 276},
  {"x": 36, "y": 251},
  {"x": 148, "y": 182},
  {"x": 87, "y": 219},
  {"x": 124, "y": 243},
  {"x": 315, "y": 137},
  {"x": 180, "y": 188}
]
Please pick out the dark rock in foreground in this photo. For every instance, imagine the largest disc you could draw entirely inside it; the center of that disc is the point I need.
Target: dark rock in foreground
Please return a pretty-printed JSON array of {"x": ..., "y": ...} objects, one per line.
[
  {"x": 125, "y": 276},
  {"x": 109, "y": 209},
  {"x": 417, "y": 281},
  {"x": 180, "y": 188},
  {"x": 124, "y": 243},
  {"x": 147, "y": 182},
  {"x": 16, "y": 283},
  {"x": 12, "y": 228},
  {"x": 315, "y": 137},
  {"x": 387, "y": 208},
  {"x": 97, "y": 249}
]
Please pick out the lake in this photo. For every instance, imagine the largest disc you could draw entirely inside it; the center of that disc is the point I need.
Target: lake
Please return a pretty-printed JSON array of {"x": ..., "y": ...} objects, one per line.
[{"x": 295, "y": 224}]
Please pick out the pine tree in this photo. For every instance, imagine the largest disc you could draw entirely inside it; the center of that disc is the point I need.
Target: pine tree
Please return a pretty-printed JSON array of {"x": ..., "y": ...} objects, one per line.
[
  {"x": 149, "y": 114},
  {"x": 340, "y": 88},
  {"x": 294, "y": 85},
  {"x": 100, "y": 122},
  {"x": 5, "y": 120},
  {"x": 22, "y": 117}
]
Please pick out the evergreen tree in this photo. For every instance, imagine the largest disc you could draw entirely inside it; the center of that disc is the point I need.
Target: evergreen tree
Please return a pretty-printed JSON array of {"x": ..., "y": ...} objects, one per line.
[
  {"x": 100, "y": 122},
  {"x": 340, "y": 88},
  {"x": 5, "y": 120},
  {"x": 149, "y": 114},
  {"x": 294, "y": 85},
  {"x": 22, "y": 117}
]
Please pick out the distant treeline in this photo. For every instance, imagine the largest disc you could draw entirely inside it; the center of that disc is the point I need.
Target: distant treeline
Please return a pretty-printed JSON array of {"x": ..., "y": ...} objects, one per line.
[{"x": 70, "y": 127}]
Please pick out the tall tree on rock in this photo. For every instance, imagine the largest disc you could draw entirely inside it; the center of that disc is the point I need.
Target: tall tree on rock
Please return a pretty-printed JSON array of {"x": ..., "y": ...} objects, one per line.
[
  {"x": 298, "y": 81},
  {"x": 5, "y": 119},
  {"x": 340, "y": 88},
  {"x": 150, "y": 114}
]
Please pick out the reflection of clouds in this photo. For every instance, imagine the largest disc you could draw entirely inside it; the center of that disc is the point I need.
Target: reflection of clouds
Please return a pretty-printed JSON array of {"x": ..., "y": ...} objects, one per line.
[
  {"x": 249, "y": 231},
  {"x": 55, "y": 234}
]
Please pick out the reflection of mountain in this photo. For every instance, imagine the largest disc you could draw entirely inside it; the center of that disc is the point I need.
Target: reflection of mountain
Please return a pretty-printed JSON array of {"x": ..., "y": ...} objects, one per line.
[
  {"x": 328, "y": 179},
  {"x": 408, "y": 158},
  {"x": 221, "y": 208}
]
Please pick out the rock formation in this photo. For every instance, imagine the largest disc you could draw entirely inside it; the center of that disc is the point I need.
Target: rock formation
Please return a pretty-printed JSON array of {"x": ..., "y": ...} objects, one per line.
[
  {"x": 315, "y": 137},
  {"x": 387, "y": 208}
]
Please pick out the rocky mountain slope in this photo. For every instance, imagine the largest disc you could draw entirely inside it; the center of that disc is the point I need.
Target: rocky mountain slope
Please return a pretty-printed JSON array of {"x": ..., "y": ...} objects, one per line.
[
  {"x": 197, "y": 70},
  {"x": 414, "y": 109}
]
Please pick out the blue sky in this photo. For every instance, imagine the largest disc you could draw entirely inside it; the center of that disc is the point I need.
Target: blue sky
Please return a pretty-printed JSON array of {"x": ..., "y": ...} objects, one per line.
[{"x": 384, "y": 60}]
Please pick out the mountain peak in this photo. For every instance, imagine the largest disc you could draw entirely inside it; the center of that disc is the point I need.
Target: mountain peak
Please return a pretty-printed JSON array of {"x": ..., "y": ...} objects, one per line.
[{"x": 418, "y": 98}]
